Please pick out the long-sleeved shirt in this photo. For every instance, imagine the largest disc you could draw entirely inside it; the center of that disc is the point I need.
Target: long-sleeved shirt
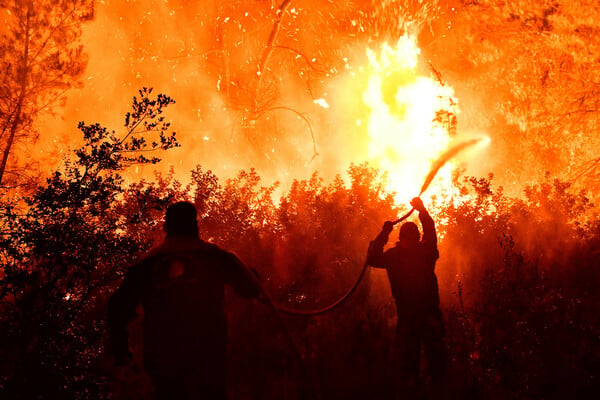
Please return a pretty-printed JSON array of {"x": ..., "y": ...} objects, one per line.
[
  {"x": 180, "y": 285},
  {"x": 411, "y": 271}
]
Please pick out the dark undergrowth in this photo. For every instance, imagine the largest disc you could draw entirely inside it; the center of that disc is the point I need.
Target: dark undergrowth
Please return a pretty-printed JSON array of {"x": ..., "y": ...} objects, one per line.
[{"x": 518, "y": 279}]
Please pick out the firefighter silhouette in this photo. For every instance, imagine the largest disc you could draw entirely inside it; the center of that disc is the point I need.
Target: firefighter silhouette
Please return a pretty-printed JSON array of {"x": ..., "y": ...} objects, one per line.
[
  {"x": 410, "y": 267},
  {"x": 180, "y": 285}
]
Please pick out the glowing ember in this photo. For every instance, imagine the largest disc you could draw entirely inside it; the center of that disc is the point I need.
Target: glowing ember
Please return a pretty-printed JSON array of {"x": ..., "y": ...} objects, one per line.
[{"x": 405, "y": 136}]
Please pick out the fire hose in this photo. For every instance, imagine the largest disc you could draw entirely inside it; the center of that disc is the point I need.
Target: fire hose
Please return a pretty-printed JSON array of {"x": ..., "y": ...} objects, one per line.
[
  {"x": 435, "y": 167},
  {"x": 447, "y": 155}
]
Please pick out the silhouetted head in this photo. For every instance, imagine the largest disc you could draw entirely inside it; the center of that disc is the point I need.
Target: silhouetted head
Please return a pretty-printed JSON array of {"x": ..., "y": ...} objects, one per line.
[
  {"x": 181, "y": 220},
  {"x": 409, "y": 234}
]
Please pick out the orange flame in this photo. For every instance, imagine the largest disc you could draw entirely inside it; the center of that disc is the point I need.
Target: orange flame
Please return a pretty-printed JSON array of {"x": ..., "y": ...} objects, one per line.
[{"x": 405, "y": 137}]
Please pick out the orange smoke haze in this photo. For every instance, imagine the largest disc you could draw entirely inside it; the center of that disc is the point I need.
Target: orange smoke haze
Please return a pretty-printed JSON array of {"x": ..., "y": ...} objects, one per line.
[{"x": 333, "y": 92}]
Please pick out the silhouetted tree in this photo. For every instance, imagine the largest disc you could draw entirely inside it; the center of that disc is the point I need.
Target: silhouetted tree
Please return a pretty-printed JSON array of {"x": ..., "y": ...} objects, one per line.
[
  {"x": 41, "y": 59},
  {"x": 62, "y": 248}
]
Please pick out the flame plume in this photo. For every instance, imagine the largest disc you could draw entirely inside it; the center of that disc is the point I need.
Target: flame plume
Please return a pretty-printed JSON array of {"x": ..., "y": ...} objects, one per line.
[{"x": 405, "y": 132}]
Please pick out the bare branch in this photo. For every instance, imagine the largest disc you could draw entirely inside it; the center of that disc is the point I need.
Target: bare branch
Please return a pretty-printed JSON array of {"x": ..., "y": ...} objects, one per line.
[
  {"x": 308, "y": 62},
  {"x": 301, "y": 115},
  {"x": 592, "y": 164},
  {"x": 43, "y": 45},
  {"x": 270, "y": 42}
]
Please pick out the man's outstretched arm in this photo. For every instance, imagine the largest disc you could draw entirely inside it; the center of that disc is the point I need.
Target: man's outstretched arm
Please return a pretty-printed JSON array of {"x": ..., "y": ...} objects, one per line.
[{"x": 375, "y": 253}]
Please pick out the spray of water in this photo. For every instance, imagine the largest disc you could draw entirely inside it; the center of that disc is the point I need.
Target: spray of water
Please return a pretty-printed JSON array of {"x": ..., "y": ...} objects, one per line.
[
  {"x": 435, "y": 167},
  {"x": 447, "y": 155},
  {"x": 439, "y": 163}
]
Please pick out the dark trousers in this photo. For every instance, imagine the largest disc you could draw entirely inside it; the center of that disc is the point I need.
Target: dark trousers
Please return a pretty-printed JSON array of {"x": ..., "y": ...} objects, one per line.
[{"x": 412, "y": 332}]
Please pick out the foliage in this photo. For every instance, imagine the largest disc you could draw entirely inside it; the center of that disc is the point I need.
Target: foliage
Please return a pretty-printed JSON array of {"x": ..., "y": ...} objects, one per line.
[
  {"x": 518, "y": 276},
  {"x": 532, "y": 66},
  {"x": 41, "y": 60},
  {"x": 523, "y": 326},
  {"x": 61, "y": 251}
]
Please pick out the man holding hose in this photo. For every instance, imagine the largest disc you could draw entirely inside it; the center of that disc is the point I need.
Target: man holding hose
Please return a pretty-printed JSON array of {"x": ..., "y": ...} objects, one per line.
[{"x": 410, "y": 266}]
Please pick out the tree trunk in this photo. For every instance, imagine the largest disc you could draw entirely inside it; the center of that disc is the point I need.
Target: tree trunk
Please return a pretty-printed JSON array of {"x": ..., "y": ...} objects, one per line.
[{"x": 14, "y": 126}]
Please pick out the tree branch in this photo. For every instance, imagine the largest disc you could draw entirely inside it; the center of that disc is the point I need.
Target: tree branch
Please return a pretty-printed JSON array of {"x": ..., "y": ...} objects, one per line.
[
  {"x": 310, "y": 127},
  {"x": 43, "y": 45},
  {"x": 308, "y": 62},
  {"x": 269, "y": 45}
]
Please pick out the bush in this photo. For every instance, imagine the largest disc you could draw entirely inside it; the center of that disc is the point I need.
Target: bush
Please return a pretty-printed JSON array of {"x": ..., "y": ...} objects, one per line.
[{"x": 518, "y": 277}]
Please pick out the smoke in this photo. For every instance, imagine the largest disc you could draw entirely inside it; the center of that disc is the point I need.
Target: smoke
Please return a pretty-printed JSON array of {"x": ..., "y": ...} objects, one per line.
[{"x": 205, "y": 55}]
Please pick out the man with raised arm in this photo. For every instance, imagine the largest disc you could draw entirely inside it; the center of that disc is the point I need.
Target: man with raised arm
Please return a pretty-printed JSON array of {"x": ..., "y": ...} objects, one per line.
[
  {"x": 410, "y": 266},
  {"x": 180, "y": 285}
]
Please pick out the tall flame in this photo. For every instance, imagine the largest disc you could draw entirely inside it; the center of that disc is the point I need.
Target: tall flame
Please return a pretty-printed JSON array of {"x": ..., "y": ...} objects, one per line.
[{"x": 405, "y": 133}]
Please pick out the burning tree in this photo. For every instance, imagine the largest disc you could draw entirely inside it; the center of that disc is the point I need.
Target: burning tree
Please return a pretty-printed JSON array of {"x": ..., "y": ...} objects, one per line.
[
  {"x": 64, "y": 250},
  {"x": 529, "y": 72},
  {"x": 518, "y": 274},
  {"x": 41, "y": 59}
]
